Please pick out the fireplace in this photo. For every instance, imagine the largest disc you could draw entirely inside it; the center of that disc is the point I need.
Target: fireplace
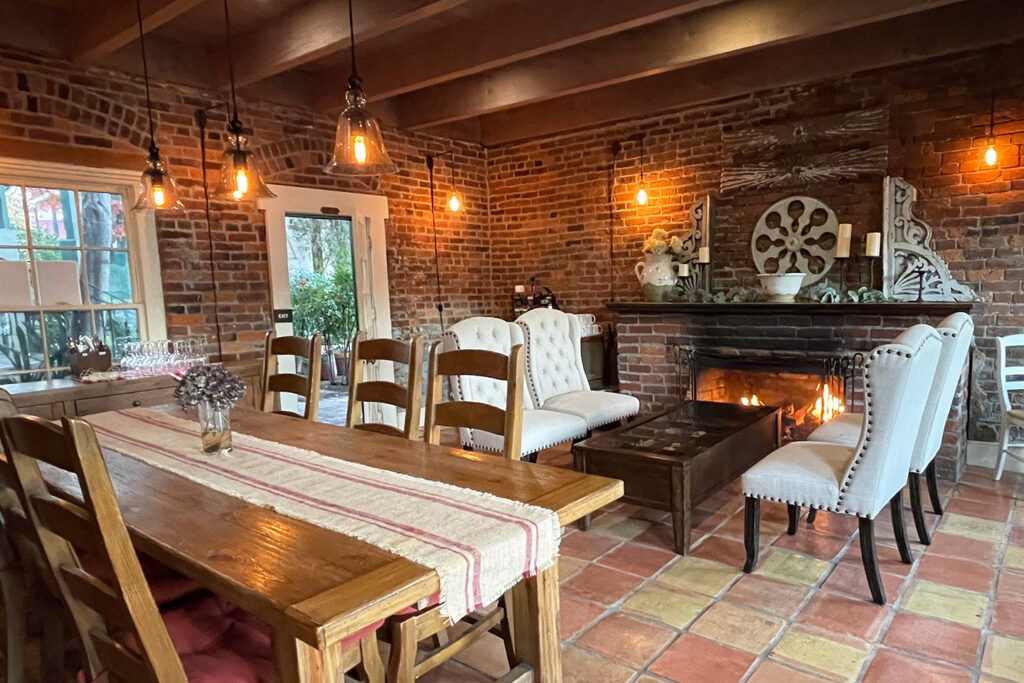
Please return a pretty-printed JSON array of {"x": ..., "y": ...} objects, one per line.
[{"x": 810, "y": 388}]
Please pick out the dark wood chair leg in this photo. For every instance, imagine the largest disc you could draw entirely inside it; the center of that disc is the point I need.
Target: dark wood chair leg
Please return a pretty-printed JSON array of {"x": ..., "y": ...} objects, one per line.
[
  {"x": 870, "y": 560},
  {"x": 794, "y": 518},
  {"x": 918, "y": 509},
  {"x": 751, "y": 531},
  {"x": 899, "y": 528},
  {"x": 933, "y": 487},
  {"x": 579, "y": 463},
  {"x": 812, "y": 514}
]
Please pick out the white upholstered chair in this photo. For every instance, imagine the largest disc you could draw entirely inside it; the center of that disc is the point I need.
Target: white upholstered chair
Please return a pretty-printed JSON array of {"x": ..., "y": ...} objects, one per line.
[
  {"x": 957, "y": 333},
  {"x": 541, "y": 428},
  {"x": 1011, "y": 378},
  {"x": 856, "y": 480},
  {"x": 555, "y": 377}
]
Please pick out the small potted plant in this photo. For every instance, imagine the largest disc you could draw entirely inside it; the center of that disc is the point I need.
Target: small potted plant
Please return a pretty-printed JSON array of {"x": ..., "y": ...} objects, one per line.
[
  {"x": 213, "y": 389},
  {"x": 657, "y": 273}
]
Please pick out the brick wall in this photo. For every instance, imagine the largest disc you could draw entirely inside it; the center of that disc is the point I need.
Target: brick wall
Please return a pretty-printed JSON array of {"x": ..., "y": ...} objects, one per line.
[
  {"x": 550, "y": 214},
  {"x": 56, "y": 111}
]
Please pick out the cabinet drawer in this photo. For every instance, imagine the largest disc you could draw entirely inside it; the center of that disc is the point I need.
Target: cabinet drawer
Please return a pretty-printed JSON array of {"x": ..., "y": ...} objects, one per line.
[{"x": 100, "y": 404}]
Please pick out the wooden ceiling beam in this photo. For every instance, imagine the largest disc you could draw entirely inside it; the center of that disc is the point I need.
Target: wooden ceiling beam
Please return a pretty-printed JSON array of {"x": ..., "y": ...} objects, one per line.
[
  {"x": 978, "y": 24},
  {"x": 317, "y": 29},
  {"x": 100, "y": 28},
  {"x": 513, "y": 32},
  {"x": 702, "y": 36}
]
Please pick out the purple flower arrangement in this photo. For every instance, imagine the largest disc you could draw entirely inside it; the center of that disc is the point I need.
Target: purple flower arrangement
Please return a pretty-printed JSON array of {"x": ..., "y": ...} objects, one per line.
[{"x": 213, "y": 384}]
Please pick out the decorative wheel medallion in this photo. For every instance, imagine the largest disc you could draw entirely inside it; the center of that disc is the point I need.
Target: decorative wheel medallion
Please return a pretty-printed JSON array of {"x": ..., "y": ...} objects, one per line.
[{"x": 798, "y": 233}]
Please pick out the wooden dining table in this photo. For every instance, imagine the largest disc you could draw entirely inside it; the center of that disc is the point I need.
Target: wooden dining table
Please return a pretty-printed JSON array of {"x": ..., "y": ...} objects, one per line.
[{"x": 314, "y": 586}]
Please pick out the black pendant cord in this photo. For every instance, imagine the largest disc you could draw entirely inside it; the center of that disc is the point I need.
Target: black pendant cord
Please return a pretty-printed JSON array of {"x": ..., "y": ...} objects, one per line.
[
  {"x": 641, "y": 163},
  {"x": 616, "y": 148},
  {"x": 433, "y": 223},
  {"x": 231, "y": 63},
  {"x": 145, "y": 75},
  {"x": 353, "y": 78},
  {"x": 201, "y": 121}
]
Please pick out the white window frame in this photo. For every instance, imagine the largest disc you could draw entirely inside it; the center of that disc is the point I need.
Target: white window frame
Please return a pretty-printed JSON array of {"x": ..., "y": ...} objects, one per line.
[
  {"x": 369, "y": 250},
  {"x": 140, "y": 228}
]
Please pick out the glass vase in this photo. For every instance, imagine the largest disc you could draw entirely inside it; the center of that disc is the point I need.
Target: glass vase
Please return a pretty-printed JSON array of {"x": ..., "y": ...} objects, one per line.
[{"x": 215, "y": 425}]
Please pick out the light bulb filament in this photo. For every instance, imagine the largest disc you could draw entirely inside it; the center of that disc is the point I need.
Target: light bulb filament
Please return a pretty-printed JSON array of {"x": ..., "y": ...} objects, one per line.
[
  {"x": 990, "y": 155},
  {"x": 158, "y": 196},
  {"x": 359, "y": 149},
  {"x": 241, "y": 182},
  {"x": 641, "y": 197},
  {"x": 453, "y": 203}
]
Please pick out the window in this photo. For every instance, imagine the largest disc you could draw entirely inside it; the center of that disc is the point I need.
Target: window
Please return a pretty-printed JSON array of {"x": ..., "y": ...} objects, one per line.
[{"x": 69, "y": 266}]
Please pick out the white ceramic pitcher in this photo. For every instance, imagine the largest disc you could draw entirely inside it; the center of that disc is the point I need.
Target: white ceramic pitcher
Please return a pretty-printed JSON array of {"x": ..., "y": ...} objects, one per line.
[{"x": 657, "y": 270}]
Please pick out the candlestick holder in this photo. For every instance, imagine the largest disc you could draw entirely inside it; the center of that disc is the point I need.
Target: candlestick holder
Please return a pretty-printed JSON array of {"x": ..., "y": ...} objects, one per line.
[
  {"x": 871, "y": 269},
  {"x": 842, "y": 273}
]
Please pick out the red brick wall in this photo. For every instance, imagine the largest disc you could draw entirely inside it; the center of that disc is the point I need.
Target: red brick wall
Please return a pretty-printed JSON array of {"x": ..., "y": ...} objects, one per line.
[
  {"x": 550, "y": 214},
  {"x": 56, "y": 111}
]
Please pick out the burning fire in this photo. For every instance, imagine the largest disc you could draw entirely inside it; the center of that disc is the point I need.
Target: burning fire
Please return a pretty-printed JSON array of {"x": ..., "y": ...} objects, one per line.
[
  {"x": 752, "y": 401},
  {"x": 827, "y": 406}
]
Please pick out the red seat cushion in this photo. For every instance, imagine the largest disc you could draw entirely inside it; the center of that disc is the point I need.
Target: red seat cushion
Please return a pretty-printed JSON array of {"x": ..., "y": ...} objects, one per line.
[{"x": 166, "y": 584}]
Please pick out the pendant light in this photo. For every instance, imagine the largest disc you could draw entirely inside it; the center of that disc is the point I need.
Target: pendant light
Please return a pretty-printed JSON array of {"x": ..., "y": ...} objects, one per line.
[
  {"x": 991, "y": 157},
  {"x": 157, "y": 190},
  {"x": 641, "y": 194},
  {"x": 240, "y": 176},
  {"x": 454, "y": 202},
  {"x": 358, "y": 145}
]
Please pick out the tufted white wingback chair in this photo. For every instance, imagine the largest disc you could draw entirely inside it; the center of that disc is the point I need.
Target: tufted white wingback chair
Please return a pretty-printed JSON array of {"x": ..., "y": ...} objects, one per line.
[
  {"x": 856, "y": 480},
  {"x": 541, "y": 428},
  {"x": 957, "y": 334},
  {"x": 555, "y": 378}
]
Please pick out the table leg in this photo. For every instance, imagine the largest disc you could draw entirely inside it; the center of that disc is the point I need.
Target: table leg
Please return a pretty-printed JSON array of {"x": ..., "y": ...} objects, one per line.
[
  {"x": 535, "y": 625},
  {"x": 681, "y": 503},
  {"x": 297, "y": 662}
]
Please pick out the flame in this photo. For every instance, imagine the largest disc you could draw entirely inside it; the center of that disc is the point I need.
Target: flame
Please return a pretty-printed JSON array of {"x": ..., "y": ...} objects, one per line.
[
  {"x": 753, "y": 400},
  {"x": 827, "y": 405}
]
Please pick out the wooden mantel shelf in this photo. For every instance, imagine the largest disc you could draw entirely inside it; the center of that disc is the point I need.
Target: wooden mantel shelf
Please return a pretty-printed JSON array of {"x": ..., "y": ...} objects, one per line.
[{"x": 934, "y": 308}]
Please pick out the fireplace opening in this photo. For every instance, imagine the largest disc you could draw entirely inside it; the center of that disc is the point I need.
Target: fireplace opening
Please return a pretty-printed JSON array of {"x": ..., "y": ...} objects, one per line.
[{"x": 809, "y": 389}]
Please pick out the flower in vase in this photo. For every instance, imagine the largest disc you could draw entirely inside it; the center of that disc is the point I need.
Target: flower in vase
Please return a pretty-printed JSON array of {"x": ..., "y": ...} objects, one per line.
[{"x": 212, "y": 384}]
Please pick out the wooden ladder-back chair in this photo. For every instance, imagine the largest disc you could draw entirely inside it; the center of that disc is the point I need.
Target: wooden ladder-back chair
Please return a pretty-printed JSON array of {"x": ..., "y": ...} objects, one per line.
[
  {"x": 97, "y": 608},
  {"x": 408, "y": 398},
  {"x": 507, "y": 422},
  {"x": 292, "y": 383},
  {"x": 12, "y": 575},
  {"x": 409, "y": 629}
]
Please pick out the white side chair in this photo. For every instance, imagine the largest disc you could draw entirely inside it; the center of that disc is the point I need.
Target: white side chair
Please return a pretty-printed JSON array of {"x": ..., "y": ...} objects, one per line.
[
  {"x": 555, "y": 376},
  {"x": 541, "y": 428},
  {"x": 858, "y": 480},
  {"x": 957, "y": 333},
  {"x": 1011, "y": 378}
]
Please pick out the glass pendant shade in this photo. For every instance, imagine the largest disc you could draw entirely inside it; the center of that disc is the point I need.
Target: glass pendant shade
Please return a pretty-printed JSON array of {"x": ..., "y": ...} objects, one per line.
[
  {"x": 240, "y": 176},
  {"x": 157, "y": 190},
  {"x": 358, "y": 145}
]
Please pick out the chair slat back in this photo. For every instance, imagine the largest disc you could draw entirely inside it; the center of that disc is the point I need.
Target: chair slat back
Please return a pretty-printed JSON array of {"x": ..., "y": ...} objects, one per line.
[
  {"x": 275, "y": 383},
  {"x": 507, "y": 422},
  {"x": 1010, "y": 377},
  {"x": 104, "y": 613},
  {"x": 407, "y": 398}
]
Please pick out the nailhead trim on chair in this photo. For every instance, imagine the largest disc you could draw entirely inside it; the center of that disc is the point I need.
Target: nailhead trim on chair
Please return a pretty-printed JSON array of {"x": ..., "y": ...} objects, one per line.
[{"x": 529, "y": 356}]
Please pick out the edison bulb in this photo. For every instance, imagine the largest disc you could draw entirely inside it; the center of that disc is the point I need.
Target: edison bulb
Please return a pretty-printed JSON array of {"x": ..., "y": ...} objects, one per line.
[
  {"x": 641, "y": 197},
  {"x": 241, "y": 182},
  {"x": 453, "y": 202},
  {"x": 990, "y": 155},
  {"x": 157, "y": 196},
  {"x": 359, "y": 148}
]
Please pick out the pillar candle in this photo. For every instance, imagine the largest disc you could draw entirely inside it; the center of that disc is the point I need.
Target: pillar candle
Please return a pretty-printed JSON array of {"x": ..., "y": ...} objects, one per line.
[
  {"x": 843, "y": 240},
  {"x": 520, "y": 289},
  {"x": 684, "y": 270},
  {"x": 704, "y": 255},
  {"x": 873, "y": 244}
]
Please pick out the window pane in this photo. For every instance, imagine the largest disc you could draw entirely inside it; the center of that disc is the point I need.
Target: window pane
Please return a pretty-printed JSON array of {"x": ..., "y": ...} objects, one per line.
[
  {"x": 110, "y": 277},
  {"x": 53, "y": 217},
  {"x": 103, "y": 220},
  {"x": 59, "y": 327},
  {"x": 21, "y": 345},
  {"x": 116, "y": 328},
  {"x": 58, "y": 277},
  {"x": 12, "y": 220},
  {"x": 17, "y": 286}
]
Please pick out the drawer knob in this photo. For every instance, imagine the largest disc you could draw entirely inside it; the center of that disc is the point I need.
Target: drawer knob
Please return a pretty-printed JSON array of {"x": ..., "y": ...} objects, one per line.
[{"x": 136, "y": 403}]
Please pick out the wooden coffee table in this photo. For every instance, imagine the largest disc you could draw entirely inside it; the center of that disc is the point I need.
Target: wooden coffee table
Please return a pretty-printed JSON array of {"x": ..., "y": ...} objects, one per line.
[{"x": 674, "y": 459}]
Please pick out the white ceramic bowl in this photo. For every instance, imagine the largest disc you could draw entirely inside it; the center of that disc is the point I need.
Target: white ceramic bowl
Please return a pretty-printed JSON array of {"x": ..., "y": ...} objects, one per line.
[{"x": 782, "y": 286}]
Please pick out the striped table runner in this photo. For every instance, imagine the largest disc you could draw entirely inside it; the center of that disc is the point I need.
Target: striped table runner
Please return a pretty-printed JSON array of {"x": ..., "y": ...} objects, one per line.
[{"x": 479, "y": 544}]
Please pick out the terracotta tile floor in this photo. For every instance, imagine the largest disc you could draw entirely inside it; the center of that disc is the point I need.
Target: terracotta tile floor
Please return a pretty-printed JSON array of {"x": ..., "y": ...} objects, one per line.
[{"x": 633, "y": 611}]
